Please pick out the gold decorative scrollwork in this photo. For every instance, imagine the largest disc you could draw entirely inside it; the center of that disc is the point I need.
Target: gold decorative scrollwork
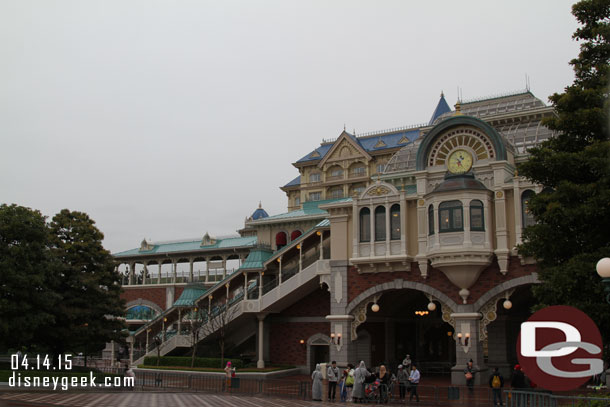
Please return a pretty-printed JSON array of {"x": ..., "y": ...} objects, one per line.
[
  {"x": 489, "y": 313},
  {"x": 359, "y": 313},
  {"x": 378, "y": 191}
]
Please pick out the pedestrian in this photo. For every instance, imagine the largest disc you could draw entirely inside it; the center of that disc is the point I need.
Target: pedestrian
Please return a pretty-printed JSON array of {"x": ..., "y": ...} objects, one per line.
[
  {"x": 414, "y": 382},
  {"x": 496, "y": 382},
  {"x": 518, "y": 379},
  {"x": 349, "y": 382},
  {"x": 384, "y": 384},
  {"x": 469, "y": 375},
  {"x": 332, "y": 374},
  {"x": 342, "y": 388},
  {"x": 403, "y": 380},
  {"x": 406, "y": 363},
  {"x": 316, "y": 387},
  {"x": 360, "y": 376},
  {"x": 129, "y": 373}
]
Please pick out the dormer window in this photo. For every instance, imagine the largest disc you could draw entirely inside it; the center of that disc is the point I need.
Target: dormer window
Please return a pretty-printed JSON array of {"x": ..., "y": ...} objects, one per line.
[{"x": 314, "y": 177}]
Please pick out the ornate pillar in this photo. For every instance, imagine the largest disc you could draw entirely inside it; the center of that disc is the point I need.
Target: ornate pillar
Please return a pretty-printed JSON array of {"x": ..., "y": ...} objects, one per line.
[
  {"x": 488, "y": 230},
  {"x": 372, "y": 231},
  {"x": 403, "y": 224},
  {"x": 517, "y": 205},
  {"x": 468, "y": 345},
  {"x": 501, "y": 231}
]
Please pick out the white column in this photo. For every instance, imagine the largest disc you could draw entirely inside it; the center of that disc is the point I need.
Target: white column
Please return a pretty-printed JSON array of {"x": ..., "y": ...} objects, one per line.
[
  {"x": 356, "y": 231},
  {"x": 387, "y": 229},
  {"x": 517, "y": 204},
  {"x": 321, "y": 232},
  {"x": 261, "y": 362},
  {"x": 191, "y": 261},
  {"x": 403, "y": 225},
  {"x": 224, "y": 267},
  {"x": 132, "y": 270},
  {"x": 159, "y": 276},
  {"x": 207, "y": 269},
  {"x": 174, "y": 272},
  {"x": 372, "y": 231},
  {"x": 260, "y": 285},
  {"x": 245, "y": 285},
  {"x": 437, "y": 240},
  {"x": 487, "y": 217},
  {"x": 466, "y": 220}
]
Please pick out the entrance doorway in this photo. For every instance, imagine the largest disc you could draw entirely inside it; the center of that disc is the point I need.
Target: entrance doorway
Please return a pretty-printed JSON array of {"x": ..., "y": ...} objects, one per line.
[
  {"x": 319, "y": 354},
  {"x": 404, "y": 325}
]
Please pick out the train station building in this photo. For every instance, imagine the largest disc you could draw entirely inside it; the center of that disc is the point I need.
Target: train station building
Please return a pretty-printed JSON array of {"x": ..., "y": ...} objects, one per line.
[{"x": 394, "y": 242}]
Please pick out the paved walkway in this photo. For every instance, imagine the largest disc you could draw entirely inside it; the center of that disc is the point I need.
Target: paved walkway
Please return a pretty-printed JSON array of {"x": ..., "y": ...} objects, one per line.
[{"x": 137, "y": 399}]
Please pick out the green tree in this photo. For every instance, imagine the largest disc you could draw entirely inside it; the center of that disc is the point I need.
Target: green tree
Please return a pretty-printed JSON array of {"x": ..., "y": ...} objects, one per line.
[
  {"x": 572, "y": 230},
  {"x": 27, "y": 271},
  {"x": 90, "y": 312}
]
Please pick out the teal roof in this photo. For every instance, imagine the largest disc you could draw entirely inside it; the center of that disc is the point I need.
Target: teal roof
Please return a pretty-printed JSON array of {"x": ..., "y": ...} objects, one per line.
[
  {"x": 191, "y": 293},
  {"x": 309, "y": 209},
  {"x": 190, "y": 246},
  {"x": 256, "y": 259}
]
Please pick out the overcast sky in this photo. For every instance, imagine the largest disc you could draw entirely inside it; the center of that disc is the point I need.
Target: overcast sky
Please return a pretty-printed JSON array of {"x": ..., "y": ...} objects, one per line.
[{"x": 167, "y": 119}]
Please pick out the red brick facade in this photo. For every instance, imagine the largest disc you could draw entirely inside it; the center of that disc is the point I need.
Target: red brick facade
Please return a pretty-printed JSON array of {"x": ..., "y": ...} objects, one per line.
[
  {"x": 489, "y": 278},
  {"x": 154, "y": 294},
  {"x": 316, "y": 304},
  {"x": 285, "y": 347}
]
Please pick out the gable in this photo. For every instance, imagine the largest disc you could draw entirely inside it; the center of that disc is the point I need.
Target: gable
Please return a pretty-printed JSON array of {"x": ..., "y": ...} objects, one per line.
[{"x": 345, "y": 148}]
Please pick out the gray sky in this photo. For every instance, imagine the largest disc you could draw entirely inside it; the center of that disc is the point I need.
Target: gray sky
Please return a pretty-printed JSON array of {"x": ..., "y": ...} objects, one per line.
[{"x": 167, "y": 119}]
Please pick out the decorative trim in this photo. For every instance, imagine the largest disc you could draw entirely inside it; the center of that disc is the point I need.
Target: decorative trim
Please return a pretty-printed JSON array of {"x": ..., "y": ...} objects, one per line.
[
  {"x": 489, "y": 312},
  {"x": 360, "y": 314}
]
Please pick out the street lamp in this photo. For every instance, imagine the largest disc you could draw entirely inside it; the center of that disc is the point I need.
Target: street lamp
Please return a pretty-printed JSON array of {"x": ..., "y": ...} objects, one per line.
[{"x": 603, "y": 269}]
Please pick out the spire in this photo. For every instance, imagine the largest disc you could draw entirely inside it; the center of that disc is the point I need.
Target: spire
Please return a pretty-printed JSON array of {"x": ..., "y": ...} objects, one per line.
[
  {"x": 441, "y": 108},
  {"x": 260, "y": 205}
]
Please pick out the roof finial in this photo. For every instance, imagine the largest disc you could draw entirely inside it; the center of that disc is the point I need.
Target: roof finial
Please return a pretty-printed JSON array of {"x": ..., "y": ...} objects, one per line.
[
  {"x": 260, "y": 205},
  {"x": 343, "y": 126},
  {"x": 442, "y": 94},
  {"x": 458, "y": 109}
]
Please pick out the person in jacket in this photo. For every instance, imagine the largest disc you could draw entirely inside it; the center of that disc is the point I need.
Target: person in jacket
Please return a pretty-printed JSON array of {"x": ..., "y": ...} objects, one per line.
[
  {"x": 349, "y": 382},
  {"x": 384, "y": 383},
  {"x": 229, "y": 373},
  {"x": 496, "y": 382},
  {"x": 518, "y": 379},
  {"x": 360, "y": 376},
  {"x": 414, "y": 380},
  {"x": 403, "y": 380},
  {"x": 406, "y": 364},
  {"x": 332, "y": 374},
  {"x": 316, "y": 387},
  {"x": 469, "y": 375}
]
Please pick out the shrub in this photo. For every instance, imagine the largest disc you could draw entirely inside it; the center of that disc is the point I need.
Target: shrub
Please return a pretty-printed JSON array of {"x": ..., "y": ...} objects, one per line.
[{"x": 185, "y": 361}]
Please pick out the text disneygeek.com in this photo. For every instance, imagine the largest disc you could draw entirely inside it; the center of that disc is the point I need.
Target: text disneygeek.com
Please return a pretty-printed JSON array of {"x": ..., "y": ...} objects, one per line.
[{"x": 64, "y": 383}]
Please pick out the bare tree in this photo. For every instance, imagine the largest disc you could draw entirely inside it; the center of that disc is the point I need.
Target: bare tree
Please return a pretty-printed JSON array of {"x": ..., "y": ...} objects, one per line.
[
  {"x": 197, "y": 319},
  {"x": 217, "y": 319}
]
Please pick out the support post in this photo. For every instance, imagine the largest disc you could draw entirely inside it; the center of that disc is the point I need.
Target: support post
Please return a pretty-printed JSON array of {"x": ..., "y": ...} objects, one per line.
[{"x": 260, "y": 364}]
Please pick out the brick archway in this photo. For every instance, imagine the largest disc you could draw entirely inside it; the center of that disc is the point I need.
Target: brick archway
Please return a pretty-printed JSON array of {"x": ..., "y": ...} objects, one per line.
[
  {"x": 400, "y": 284},
  {"x": 505, "y": 286}
]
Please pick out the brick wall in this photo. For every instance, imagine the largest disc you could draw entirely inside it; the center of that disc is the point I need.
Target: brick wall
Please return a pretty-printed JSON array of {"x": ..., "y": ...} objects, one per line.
[
  {"x": 284, "y": 346},
  {"x": 489, "y": 278},
  {"x": 154, "y": 294},
  {"x": 316, "y": 304}
]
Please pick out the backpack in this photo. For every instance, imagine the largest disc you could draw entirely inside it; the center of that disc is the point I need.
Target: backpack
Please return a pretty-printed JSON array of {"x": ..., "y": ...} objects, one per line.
[
  {"x": 349, "y": 381},
  {"x": 496, "y": 382}
]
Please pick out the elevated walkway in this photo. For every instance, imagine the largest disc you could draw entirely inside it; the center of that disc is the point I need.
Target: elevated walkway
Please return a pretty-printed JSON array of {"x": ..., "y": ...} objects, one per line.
[{"x": 281, "y": 288}]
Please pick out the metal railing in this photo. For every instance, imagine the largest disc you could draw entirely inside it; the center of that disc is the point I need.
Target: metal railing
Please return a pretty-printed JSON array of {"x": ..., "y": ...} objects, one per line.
[
  {"x": 530, "y": 398},
  {"x": 155, "y": 380}
]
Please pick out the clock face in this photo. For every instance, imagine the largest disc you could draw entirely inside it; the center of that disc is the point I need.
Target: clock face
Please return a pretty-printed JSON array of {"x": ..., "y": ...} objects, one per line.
[{"x": 459, "y": 162}]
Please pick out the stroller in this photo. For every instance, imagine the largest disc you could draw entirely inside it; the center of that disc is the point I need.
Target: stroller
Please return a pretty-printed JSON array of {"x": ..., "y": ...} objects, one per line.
[{"x": 371, "y": 391}]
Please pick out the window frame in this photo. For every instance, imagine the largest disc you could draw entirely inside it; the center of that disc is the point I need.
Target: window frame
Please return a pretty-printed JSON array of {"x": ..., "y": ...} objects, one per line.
[
  {"x": 395, "y": 235},
  {"x": 314, "y": 193},
  {"x": 315, "y": 177},
  {"x": 380, "y": 228},
  {"x": 365, "y": 225},
  {"x": 452, "y": 206},
  {"x": 475, "y": 204}
]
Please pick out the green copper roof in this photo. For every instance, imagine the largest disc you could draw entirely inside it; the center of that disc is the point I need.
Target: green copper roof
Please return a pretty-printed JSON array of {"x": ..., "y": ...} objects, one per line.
[
  {"x": 256, "y": 259},
  {"x": 189, "y": 295},
  {"x": 190, "y": 246},
  {"x": 308, "y": 209}
]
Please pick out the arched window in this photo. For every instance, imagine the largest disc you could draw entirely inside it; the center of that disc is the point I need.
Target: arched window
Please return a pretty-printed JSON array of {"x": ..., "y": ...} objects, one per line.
[
  {"x": 365, "y": 225},
  {"x": 280, "y": 240},
  {"x": 526, "y": 214},
  {"x": 450, "y": 216},
  {"x": 335, "y": 192},
  {"x": 380, "y": 223},
  {"x": 395, "y": 222},
  {"x": 295, "y": 234},
  {"x": 431, "y": 219},
  {"x": 141, "y": 312},
  {"x": 476, "y": 216}
]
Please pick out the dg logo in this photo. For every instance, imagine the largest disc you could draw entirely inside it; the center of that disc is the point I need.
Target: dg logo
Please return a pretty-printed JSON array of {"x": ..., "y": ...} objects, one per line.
[{"x": 560, "y": 348}]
